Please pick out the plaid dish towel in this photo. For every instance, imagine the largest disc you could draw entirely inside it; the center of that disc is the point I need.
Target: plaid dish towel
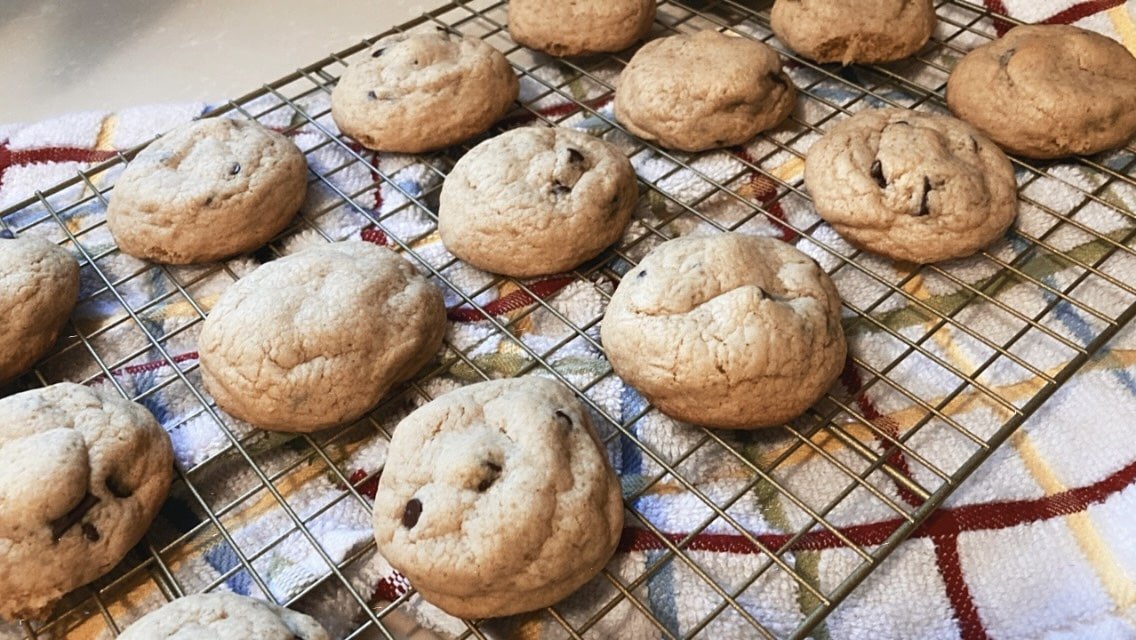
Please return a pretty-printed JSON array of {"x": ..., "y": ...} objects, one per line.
[{"x": 1039, "y": 543}]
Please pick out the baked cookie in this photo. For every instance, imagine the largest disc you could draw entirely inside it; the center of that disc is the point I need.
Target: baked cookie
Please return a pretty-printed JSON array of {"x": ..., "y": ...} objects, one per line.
[
  {"x": 498, "y": 498},
  {"x": 912, "y": 186},
  {"x": 314, "y": 339},
  {"x": 536, "y": 200},
  {"x": 695, "y": 92},
  {"x": 208, "y": 190},
  {"x": 1047, "y": 91},
  {"x": 39, "y": 285},
  {"x": 424, "y": 91},
  {"x": 208, "y": 616},
  {"x": 728, "y": 330},
  {"x": 575, "y": 28},
  {"x": 847, "y": 31},
  {"x": 81, "y": 477}
]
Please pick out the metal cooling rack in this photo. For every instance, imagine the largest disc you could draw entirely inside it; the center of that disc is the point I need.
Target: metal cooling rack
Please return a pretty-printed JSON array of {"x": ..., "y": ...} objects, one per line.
[{"x": 889, "y": 455}]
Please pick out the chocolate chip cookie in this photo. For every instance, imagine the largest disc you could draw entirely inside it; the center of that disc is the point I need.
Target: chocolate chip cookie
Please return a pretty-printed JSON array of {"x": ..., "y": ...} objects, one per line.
[
  {"x": 536, "y": 200},
  {"x": 498, "y": 498},
  {"x": 208, "y": 190},
  {"x": 847, "y": 31},
  {"x": 912, "y": 186},
  {"x": 576, "y": 28},
  {"x": 39, "y": 284},
  {"x": 209, "y": 616},
  {"x": 700, "y": 91},
  {"x": 314, "y": 339},
  {"x": 728, "y": 330},
  {"x": 81, "y": 477},
  {"x": 1047, "y": 91},
  {"x": 423, "y": 91}
]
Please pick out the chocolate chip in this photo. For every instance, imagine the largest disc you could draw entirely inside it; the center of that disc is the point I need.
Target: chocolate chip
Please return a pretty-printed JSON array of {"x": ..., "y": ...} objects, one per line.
[
  {"x": 4, "y": 233},
  {"x": 575, "y": 157},
  {"x": 90, "y": 532},
  {"x": 209, "y": 201},
  {"x": 378, "y": 52},
  {"x": 1004, "y": 59},
  {"x": 642, "y": 274},
  {"x": 60, "y": 525},
  {"x": 235, "y": 169},
  {"x": 371, "y": 95},
  {"x": 564, "y": 419},
  {"x": 117, "y": 488},
  {"x": 494, "y": 473},
  {"x": 878, "y": 174},
  {"x": 559, "y": 189},
  {"x": 411, "y": 513},
  {"x": 923, "y": 210}
]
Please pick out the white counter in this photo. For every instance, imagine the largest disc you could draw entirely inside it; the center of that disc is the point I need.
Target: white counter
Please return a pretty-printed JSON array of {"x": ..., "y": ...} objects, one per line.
[{"x": 58, "y": 56}]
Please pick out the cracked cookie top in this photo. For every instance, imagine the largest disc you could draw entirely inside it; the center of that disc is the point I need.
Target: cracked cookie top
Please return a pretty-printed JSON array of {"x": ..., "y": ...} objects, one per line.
[
  {"x": 498, "y": 498},
  {"x": 575, "y": 28},
  {"x": 423, "y": 91},
  {"x": 207, "y": 190},
  {"x": 206, "y": 616},
  {"x": 704, "y": 90},
  {"x": 1047, "y": 91},
  {"x": 39, "y": 284},
  {"x": 536, "y": 200},
  {"x": 728, "y": 330},
  {"x": 81, "y": 477},
  {"x": 912, "y": 186},
  {"x": 315, "y": 339},
  {"x": 847, "y": 31}
]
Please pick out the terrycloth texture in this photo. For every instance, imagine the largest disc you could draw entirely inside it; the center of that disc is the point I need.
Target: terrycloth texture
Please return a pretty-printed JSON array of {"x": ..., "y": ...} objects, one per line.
[{"x": 1038, "y": 544}]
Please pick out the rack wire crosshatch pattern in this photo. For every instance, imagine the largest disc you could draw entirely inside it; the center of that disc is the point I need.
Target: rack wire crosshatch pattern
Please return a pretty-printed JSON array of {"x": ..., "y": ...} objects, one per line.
[{"x": 927, "y": 343}]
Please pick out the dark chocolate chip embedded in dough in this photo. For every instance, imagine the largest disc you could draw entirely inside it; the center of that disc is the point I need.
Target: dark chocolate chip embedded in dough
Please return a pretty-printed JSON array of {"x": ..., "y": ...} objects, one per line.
[
  {"x": 564, "y": 419},
  {"x": 559, "y": 189},
  {"x": 574, "y": 156},
  {"x": 923, "y": 204},
  {"x": 60, "y": 525},
  {"x": 235, "y": 169},
  {"x": 117, "y": 488},
  {"x": 642, "y": 274},
  {"x": 411, "y": 513},
  {"x": 371, "y": 95},
  {"x": 90, "y": 532},
  {"x": 877, "y": 172},
  {"x": 494, "y": 473},
  {"x": 209, "y": 201},
  {"x": 378, "y": 52}
]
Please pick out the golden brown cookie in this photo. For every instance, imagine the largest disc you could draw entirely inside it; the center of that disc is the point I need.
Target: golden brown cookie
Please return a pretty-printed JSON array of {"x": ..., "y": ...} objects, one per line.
[{"x": 1047, "y": 91}]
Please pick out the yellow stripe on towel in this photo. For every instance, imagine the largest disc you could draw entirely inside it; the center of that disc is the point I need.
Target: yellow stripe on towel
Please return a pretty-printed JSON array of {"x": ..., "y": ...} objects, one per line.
[
  {"x": 1121, "y": 589},
  {"x": 1123, "y": 24}
]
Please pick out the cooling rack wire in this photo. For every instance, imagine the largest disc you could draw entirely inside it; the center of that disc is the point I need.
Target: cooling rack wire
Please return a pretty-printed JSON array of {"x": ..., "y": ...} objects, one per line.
[{"x": 894, "y": 464}]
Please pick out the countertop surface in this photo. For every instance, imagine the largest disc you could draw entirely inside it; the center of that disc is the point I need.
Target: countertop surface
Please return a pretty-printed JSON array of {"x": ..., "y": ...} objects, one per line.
[{"x": 60, "y": 56}]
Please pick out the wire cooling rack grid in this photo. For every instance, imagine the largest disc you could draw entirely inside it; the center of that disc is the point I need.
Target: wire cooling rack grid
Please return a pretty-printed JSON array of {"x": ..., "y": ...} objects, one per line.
[{"x": 893, "y": 463}]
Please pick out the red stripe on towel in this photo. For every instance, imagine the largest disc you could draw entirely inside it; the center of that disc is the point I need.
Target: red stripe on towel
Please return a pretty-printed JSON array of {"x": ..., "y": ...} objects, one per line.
[
  {"x": 511, "y": 302},
  {"x": 966, "y": 613}
]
